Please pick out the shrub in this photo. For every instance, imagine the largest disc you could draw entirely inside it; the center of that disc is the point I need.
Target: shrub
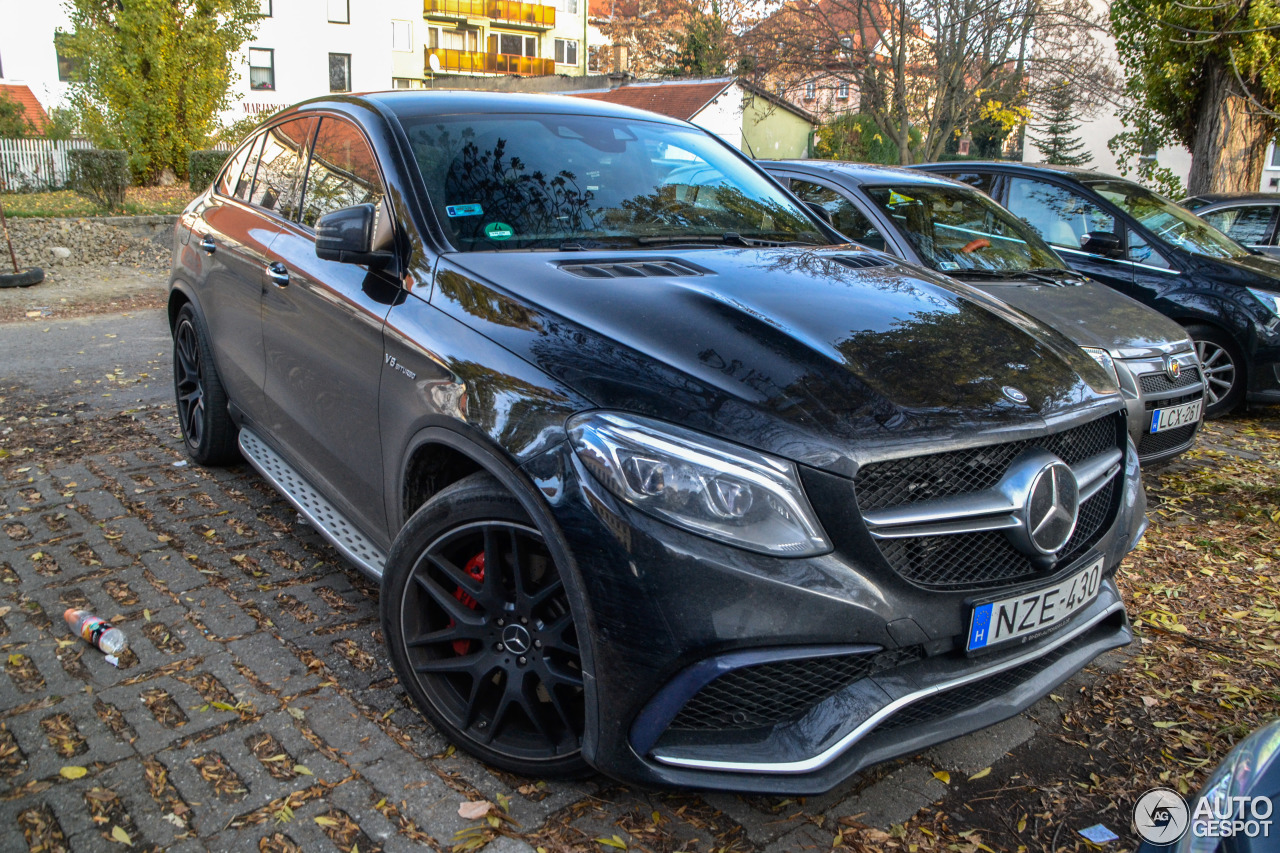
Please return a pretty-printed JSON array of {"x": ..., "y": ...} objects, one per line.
[
  {"x": 203, "y": 167},
  {"x": 100, "y": 175}
]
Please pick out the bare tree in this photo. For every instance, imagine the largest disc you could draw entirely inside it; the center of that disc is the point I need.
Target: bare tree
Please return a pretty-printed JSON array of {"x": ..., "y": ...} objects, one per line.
[{"x": 932, "y": 65}]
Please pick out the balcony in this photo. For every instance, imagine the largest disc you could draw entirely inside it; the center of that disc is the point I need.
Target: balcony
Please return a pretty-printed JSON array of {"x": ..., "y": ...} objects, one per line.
[
  {"x": 509, "y": 12},
  {"x": 470, "y": 62}
]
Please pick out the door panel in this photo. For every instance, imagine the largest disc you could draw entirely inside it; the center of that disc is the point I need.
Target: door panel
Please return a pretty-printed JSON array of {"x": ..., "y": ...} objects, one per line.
[
  {"x": 322, "y": 325},
  {"x": 231, "y": 240},
  {"x": 1062, "y": 217}
]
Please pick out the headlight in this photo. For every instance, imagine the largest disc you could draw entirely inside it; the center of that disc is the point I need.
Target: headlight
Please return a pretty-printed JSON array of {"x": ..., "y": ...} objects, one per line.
[
  {"x": 1269, "y": 299},
  {"x": 1104, "y": 359},
  {"x": 699, "y": 483}
]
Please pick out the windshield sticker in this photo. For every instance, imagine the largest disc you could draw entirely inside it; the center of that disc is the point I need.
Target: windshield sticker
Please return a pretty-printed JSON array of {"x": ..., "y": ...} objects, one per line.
[
  {"x": 499, "y": 231},
  {"x": 948, "y": 265},
  {"x": 464, "y": 210}
]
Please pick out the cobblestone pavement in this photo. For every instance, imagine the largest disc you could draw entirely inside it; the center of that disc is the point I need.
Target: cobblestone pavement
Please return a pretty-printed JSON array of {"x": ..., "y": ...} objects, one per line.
[{"x": 255, "y": 707}]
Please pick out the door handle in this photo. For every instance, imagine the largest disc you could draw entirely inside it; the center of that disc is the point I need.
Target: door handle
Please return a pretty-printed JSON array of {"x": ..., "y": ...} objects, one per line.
[
  {"x": 206, "y": 243},
  {"x": 278, "y": 273}
]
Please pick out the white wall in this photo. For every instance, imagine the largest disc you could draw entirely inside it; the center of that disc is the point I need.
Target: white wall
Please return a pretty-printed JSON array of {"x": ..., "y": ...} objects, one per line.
[
  {"x": 302, "y": 37},
  {"x": 723, "y": 116}
]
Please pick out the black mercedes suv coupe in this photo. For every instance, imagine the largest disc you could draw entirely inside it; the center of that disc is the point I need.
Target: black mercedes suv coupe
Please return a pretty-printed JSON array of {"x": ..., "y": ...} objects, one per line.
[{"x": 658, "y": 475}]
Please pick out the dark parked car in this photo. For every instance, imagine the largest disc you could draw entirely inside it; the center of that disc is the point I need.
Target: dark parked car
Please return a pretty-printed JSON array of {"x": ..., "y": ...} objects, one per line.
[
  {"x": 1147, "y": 247},
  {"x": 1247, "y": 218},
  {"x": 950, "y": 227},
  {"x": 657, "y": 474}
]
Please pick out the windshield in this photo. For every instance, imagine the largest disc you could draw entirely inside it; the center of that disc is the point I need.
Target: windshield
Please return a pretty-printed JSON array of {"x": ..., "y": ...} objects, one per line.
[
  {"x": 1168, "y": 221},
  {"x": 956, "y": 229},
  {"x": 556, "y": 181}
]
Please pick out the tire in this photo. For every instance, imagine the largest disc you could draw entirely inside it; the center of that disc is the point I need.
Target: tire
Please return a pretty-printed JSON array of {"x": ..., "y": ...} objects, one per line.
[
  {"x": 490, "y": 657},
  {"x": 1222, "y": 365},
  {"x": 208, "y": 432},
  {"x": 26, "y": 278}
]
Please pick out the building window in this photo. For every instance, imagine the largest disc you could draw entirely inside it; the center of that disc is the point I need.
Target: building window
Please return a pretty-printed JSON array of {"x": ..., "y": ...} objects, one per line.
[
  {"x": 339, "y": 72},
  {"x": 566, "y": 52},
  {"x": 403, "y": 83},
  {"x": 262, "y": 68},
  {"x": 810, "y": 91},
  {"x": 339, "y": 11},
  {"x": 842, "y": 91},
  {"x": 1275, "y": 149},
  {"x": 569, "y": 7},
  {"x": 264, "y": 8},
  {"x": 513, "y": 44},
  {"x": 68, "y": 67},
  {"x": 402, "y": 36}
]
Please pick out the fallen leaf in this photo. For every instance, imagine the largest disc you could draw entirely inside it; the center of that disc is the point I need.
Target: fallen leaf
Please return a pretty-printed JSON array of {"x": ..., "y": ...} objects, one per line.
[
  {"x": 986, "y": 771},
  {"x": 474, "y": 809},
  {"x": 120, "y": 835},
  {"x": 302, "y": 770},
  {"x": 72, "y": 772},
  {"x": 942, "y": 776}
]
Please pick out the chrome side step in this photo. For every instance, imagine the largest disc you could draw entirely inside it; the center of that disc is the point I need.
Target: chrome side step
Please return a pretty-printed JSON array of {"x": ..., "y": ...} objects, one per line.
[{"x": 324, "y": 516}]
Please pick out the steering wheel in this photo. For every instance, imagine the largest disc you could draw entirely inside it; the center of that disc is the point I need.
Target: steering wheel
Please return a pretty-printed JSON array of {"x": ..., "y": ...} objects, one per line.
[{"x": 975, "y": 245}]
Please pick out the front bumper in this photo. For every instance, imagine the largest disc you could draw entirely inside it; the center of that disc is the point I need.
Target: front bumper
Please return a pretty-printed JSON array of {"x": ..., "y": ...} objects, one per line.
[
  {"x": 662, "y": 604},
  {"x": 1146, "y": 386}
]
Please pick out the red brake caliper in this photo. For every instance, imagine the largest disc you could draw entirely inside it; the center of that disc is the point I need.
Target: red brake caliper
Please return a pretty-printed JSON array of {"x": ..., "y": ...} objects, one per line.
[{"x": 474, "y": 568}]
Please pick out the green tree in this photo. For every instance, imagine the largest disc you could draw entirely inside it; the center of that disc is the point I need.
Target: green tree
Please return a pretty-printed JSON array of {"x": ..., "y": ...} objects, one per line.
[
  {"x": 705, "y": 46},
  {"x": 14, "y": 123},
  {"x": 1054, "y": 137},
  {"x": 154, "y": 74},
  {"x": 858, "y": 139},
  {"x": 1203, "y": 75}
]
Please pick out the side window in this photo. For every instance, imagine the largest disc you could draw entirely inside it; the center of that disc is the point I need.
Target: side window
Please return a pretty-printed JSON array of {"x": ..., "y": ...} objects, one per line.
[
  {"x": 1142, "y": 252},
  {"x": 1247, "y": 225},
  {"x": 1060, "y": 216},
  {"x": 342, "y": 173},
  {"x": 278, "y": 186},
  {"x": 845, "y": 215},
  {"x": 234, "y": 174},
  {"x": 984, "y": 181}
]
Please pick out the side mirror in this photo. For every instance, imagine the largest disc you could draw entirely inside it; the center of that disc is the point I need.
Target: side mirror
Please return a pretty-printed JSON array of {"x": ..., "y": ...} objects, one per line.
[
  {"x": 1102, "y": 243},
  {"x": 347, "y": 236},
  {"x": 820, "y": 212}
]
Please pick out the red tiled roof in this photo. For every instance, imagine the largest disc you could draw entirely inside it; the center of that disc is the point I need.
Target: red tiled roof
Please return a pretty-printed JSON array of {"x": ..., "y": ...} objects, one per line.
[
  {"x": 677, "y": 100},
  {"x": 30, "y": 105}
]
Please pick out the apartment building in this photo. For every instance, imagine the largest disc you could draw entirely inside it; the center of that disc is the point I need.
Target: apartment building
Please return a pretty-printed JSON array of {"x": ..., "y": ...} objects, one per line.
[{"x": 305, "y": 48}]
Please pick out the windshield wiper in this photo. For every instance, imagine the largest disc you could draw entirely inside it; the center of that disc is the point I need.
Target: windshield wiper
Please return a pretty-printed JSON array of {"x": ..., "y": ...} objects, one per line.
[{"x": 729, "y": 238}]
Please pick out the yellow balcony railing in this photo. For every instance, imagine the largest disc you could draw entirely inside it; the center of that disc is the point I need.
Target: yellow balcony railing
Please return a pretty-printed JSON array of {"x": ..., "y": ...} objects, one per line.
[
  {"x": 490, "y": 63},
  {"x": 508, "y": 11}
]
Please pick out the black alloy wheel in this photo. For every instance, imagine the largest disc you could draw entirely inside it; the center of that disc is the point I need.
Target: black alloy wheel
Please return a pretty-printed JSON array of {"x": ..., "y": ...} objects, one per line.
[
  {"x": 481, "y": 632},
  {"x": 207, "y": 428},
  {"x": 1222, "y": 368}
]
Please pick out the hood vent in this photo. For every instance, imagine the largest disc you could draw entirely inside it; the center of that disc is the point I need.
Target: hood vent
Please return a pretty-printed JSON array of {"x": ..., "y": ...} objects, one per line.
[
  {"x": 861, "y": 262},
  {"x": 635, "y": 269}
]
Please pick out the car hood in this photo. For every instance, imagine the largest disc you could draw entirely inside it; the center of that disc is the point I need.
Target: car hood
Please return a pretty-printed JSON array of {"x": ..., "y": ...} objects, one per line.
[
  {"x": 1094, "y": 315},
  {"x": 786, "y": 350}
]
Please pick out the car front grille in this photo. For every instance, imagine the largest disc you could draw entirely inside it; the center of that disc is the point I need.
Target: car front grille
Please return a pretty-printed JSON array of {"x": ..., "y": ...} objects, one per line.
[
  {"x": 770, "y": 693},
  {"x": 935, "y": 475},
  {"x": 1170, "y": 439},
  {"x": 1152, "y": 405},
  {"x": 1160, "y": 383},
  {"x": 984, "y": 559},
  {"x": 951, "y": 702}
]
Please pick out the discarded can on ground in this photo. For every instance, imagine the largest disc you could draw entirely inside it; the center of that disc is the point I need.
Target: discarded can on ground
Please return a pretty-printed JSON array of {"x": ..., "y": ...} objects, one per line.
[{"x": 97, "y": 631}]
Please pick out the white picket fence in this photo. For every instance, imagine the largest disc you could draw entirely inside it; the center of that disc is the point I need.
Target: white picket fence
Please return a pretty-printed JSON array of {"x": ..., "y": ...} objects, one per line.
[{"x": 29, "y": 165}]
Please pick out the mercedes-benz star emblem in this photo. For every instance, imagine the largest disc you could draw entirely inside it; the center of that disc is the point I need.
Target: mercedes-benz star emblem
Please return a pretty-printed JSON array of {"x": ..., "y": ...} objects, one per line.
[
  {"x": 1014, "y": 394},
  {"x": 1053, "y": 502},
  {"x": 516, "y": 638}
]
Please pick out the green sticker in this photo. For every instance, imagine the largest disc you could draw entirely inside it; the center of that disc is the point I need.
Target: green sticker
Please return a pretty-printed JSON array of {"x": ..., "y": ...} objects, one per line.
[{"x": 499, "y": 231}]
